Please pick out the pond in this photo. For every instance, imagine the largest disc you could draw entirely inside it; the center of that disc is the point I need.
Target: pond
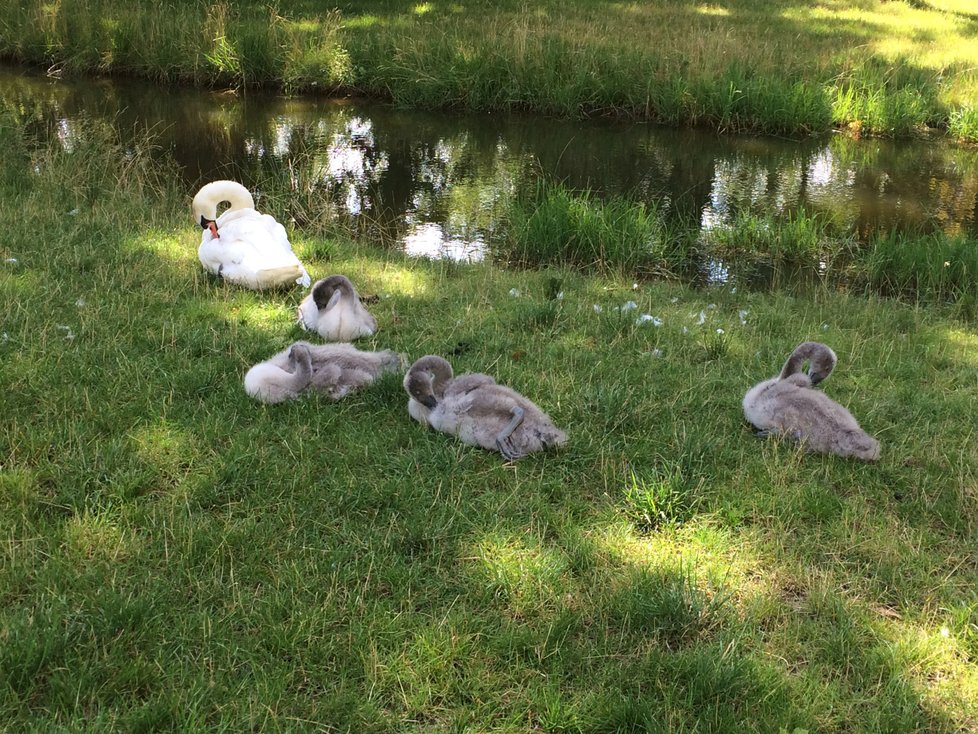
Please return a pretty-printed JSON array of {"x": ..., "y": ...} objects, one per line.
[{"x": 430, "y": 179}]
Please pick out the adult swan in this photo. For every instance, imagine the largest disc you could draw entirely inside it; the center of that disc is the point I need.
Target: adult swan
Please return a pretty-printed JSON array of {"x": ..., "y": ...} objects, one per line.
[{"x": 243, "y": 246}]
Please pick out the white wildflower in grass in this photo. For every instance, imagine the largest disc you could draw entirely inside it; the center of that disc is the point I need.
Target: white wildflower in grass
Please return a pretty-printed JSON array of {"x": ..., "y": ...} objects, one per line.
[
  {"x": 947, "y": 264},
  {"x": 4, "y": 338},
  {"x": 734, "y": 289},
  {"x": 629, "y": 306},
  {"x": 66, "y": 332},
  {"x": 720, "y": 331},
  {"x": 514, "y": 292},
  {"x": 945, "y": 632},
  {"x": 685, "y": 330},
  {"x": 73, "y": 213},
  {"x": 711, "y": 307},
  {"x": 742, "y": 313},
  {"x": 674, "y": 299},
  {"x": 656, "y": 352},
  {"x": 80, "y": 303},
  {"x": 634, "y": 286},
  {"x": 702, "y": 319},
  {"x": 597, "y": 308},
  {"x": 825, "y": 327},
  {"x": 560, "y": 296}
]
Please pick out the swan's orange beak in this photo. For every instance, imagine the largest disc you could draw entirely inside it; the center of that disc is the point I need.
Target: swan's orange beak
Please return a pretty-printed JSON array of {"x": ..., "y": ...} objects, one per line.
[{"x": 212, "y": 226}]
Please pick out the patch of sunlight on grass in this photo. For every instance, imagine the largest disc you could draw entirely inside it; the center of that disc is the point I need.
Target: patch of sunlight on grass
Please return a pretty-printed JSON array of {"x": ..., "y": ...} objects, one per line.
[
  {"x": 174, "y": 248},
  {"x": 395, "y": 279},
  {"x": 525, "y": 574},
  {"x": 938, "y": 662},
  {"x": 712, "y": 10},
  {"x": 898, "y": 33},
  {"x": 361, "y": 21},
  {"x": 94, "y": 537},
  {"x": 422, "y": 8},
  {"x": 270, "y": 317},
  {"x": 965, "y": 344},
  {"x": 712, "y": 550},
  {"x": 306, "y": 26},
  {"x": 163, "y": 446}
]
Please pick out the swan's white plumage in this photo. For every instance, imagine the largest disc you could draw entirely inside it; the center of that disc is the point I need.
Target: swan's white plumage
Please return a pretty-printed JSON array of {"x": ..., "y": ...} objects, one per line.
[{"x": 251, "y": 249}]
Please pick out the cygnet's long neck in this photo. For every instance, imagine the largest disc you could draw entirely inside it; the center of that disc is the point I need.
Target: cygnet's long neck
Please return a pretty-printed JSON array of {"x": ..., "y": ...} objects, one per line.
[
  {"x": 821, "y": 358},
  {"x": 427, "y": 378}
]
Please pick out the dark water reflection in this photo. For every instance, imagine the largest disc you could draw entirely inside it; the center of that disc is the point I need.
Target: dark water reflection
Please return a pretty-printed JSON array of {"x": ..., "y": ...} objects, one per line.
[{"x": 435, "y": 179}]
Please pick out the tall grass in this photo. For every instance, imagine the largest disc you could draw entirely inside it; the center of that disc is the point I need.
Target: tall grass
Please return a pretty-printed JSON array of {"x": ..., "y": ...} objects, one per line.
[
  {"x": 785, "y": 67},
  {"x": 796, "y": 238},
  {"x": 551, "y": 224},
  {"x": 936, "y": 266},
  {"x": 197, "y": 42}
]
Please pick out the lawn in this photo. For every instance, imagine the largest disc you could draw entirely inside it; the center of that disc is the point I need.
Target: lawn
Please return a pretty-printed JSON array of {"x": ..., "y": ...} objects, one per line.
[{"x": 176, "y": 556}]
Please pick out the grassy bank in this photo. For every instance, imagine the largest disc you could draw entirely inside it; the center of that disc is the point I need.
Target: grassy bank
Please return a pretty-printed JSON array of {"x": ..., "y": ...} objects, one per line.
[
  {"x": 178, "y": 557},
  {"x": 780, "y": 66}
]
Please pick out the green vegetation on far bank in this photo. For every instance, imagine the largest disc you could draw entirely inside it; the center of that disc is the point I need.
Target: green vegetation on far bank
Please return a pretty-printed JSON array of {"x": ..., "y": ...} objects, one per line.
[
  {"x": 781, "y": 66},
  {"x": 552, "y": 225},
  {"x": 175, "y": 556}
]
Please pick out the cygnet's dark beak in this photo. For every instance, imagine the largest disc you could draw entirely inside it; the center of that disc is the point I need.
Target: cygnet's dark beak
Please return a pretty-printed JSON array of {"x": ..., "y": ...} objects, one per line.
[{"x": 428, "y": 401}]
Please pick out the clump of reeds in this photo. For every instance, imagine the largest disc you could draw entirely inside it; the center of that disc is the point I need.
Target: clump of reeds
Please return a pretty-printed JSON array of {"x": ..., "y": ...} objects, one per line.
[
  {"x": 797, "y": 239},
  {"x": 552, "y": 224},
  {"x": 928, "y": 267}
]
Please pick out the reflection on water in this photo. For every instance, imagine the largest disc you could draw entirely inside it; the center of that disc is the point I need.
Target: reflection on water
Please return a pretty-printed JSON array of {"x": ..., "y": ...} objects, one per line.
[{"x": 438, "y": 181}]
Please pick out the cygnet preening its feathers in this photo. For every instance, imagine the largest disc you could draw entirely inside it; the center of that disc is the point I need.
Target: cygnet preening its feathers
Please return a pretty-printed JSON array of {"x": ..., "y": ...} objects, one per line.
[
  {"x": 333, "y": 309},
  {"x": 242, "y": 245},
  {"x": 477, "y": 410},
  {"x": 789, "y": 405},
  {"x": 331, "y": 369}
]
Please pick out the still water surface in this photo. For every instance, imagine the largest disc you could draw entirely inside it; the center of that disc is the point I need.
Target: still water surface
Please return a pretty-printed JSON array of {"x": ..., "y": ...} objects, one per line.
[{"x": 432, "y": 178}]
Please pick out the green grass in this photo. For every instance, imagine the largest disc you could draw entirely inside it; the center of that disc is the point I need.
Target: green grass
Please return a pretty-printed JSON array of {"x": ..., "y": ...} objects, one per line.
[
  {"x": 551, "y": 224},
  {"x": 175, "y": 556},
  {"x": 779, "y": 66}
]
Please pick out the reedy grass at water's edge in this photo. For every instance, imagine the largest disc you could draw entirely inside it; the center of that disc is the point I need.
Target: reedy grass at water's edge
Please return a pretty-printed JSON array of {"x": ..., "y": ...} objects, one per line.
[
  {"x": 781, "y": 67},
  {"x": 177, "y": 556}
]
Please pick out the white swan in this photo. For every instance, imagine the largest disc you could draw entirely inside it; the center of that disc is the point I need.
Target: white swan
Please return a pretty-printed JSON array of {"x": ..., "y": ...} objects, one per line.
[
  {"x": 789, "y": 405},
  {"x": 242, "y": 245},
  {"x": 333, "y": 309},
  {"x": 478, "y": 410}
]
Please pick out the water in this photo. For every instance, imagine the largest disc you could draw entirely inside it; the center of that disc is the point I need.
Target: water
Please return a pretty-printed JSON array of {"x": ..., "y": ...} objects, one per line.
[{"x": 432, "y": 180}]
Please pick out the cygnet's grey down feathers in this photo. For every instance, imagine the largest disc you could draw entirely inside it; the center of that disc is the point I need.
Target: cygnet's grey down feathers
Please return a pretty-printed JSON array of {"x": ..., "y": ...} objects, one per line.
[
  {"x": 331, "y": 369},
  {"x": 789, "y": 405},
  {"x": 333, "y": 310},
  {"x": 477, "y": 410}
]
